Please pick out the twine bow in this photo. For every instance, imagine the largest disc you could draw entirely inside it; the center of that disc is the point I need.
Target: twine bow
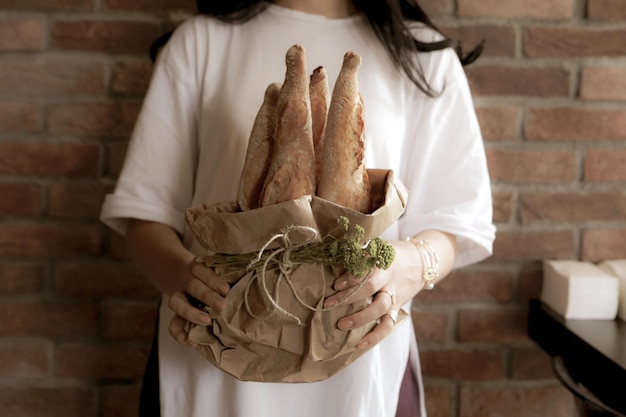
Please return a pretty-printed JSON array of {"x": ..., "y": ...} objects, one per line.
[{"x": 281, "y": 256}]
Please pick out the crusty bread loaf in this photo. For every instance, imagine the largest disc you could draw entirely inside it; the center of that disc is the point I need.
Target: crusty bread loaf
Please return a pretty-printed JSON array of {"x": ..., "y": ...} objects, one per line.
[
  {"x": 306, "y": 141},
  {"x": 319, "y": 93},
  {"x": 292, "y": 171},
  {"x": 343, "y": 176},
  {"x": 257, "y": 160}
]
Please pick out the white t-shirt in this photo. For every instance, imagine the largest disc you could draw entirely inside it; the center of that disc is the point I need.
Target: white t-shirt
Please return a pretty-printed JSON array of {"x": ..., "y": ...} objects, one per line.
[{"x": 189, "y": 145}]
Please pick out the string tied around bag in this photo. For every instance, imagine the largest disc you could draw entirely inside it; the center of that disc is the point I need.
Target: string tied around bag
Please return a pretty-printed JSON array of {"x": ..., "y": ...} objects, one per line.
[{"x": 281, "y": 257}]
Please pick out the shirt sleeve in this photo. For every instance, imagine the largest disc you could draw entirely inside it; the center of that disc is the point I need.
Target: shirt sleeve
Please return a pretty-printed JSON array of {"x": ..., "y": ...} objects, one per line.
[
  {"x": 445, "y": 168},
  {"x": 157, "y": 178}
]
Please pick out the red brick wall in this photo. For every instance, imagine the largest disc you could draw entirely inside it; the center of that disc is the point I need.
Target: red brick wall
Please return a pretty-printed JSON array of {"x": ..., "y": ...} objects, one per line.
[
  {"x": 76, "y": 322},
  {"x": 550, "y": 91}
]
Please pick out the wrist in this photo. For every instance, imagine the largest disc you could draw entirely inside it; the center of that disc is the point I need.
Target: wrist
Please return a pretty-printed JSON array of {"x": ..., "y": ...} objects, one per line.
[{"x": 429, "y": 261}]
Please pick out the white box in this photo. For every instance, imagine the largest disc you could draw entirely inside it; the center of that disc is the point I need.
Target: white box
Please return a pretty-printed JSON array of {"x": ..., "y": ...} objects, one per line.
[
  {"x": 617, "y": 268},
  {"x": 580, "y": 290}
]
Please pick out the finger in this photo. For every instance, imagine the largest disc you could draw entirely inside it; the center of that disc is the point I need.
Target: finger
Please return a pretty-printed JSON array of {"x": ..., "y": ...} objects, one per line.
[
  {"x": 374, "y": 280},
  {"x": 210, "y": 278},
  {"x": 372, "y": 312},
  {"x": 200, "y": 291},
  {"x": 387, "y": 297},
  {"x": 179, "y": 304},
  {"x": 378, "y": 333},
  {"x": 177, "y": 329},
  {"x": 357, "y": 292},
  {"x": 340, "y": 297},
  {"x": 344, "y": 281}
]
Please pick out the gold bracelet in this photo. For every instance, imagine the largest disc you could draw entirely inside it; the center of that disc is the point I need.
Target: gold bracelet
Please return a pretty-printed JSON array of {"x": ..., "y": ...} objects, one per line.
[{"x": 430, "y": 262}]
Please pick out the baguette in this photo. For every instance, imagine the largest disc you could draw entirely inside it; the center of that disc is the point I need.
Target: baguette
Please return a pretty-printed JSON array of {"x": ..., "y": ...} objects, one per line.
[
  {"x": 319, "y": 93},
  {"x": 292, "y": 171},
  {"x": 256, "y": 164},
  {"x": 343, "y": 177}
]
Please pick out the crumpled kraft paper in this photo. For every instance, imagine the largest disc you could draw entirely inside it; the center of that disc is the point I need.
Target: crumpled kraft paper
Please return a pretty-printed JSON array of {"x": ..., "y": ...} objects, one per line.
[{"x": 276, "y": 329}]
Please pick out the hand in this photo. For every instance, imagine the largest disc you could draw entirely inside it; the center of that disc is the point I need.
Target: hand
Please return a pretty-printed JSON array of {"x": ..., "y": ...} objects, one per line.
[
  {"x": 203, "y": 293},
  {"x": 402, "y": 280}
]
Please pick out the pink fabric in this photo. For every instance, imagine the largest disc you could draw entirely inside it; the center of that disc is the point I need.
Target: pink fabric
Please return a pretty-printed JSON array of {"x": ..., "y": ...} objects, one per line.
[{"x": 408, "y": 402}]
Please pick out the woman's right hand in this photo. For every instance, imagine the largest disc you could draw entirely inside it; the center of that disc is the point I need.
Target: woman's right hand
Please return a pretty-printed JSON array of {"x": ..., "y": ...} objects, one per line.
[
  {"x": 203, "y": 293},
  {"x": 158, "y": 252}
]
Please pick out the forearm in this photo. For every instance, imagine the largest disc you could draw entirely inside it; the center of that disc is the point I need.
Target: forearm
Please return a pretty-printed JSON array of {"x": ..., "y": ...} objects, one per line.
[{"x": 157, "y": 251}]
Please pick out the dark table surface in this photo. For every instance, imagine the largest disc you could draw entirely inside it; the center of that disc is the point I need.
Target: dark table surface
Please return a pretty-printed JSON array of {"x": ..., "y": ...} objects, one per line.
[{"x": 593, "y": 350}]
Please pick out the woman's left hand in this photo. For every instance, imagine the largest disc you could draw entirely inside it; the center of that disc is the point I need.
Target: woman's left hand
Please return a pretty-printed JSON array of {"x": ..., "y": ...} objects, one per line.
[{"x": 391, "y": 289}]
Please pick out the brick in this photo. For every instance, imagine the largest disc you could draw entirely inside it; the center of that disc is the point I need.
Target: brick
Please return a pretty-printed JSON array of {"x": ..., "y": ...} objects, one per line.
[
  {"x": 605, "y": 166},
  {"x": 53, "y": 401},
  {"x": 603, "y": 83},
  {"x": 518, "y": 81},
  {"x": 24, "y": 359},
  {"x": 173, "y": 22},
  {"x": 113, "y": 37},
  {"x": 570, "y": 124},
  {"x": 47, "y": 5},
  {"x": 502, "y": 206},
  {"x": 45, "y": 318},
  {"x": 499, "y": 123},
  {"x": 116, "y": 153},
  {"x": 95, "y": 361},
  {"x": 477, "y": 365},
  {"x": 49, "y": 240},
  {"x": 33, "y": 158},
  {"x": 531, "y": 364},
  {"x": 20, "y": 199},
  {"x": 152, "y": 5},
  {"x": 21, "y": 278},
  {"x": 439, "y": 401},
  {"x": 125, "y": 321},
  {"x": 120, "y": 400},
  {"x": 539, "y": 9},
  {"x": 572, "y": 207},
  {"x": 471, "y": 286},
  {"x": 75, "y": 200},
  {"x": 526, "y": 245},
  {"x": 530, "y": 281},
  {"x": 131, "y": 77},
  {"x": 532, "y": 167},
  {"x": 20, "y": 117},
  {"x": 606, "y": 10},
  {"x": 559, "y": 42},
  {"x": 40, "y": 75},
  {"x": 437, "y": 7},
  {"x": 22, "y": 33},
  {"x": 111, "y": 119},
  {"x": 498, "y": 40},
  {"x": 493, "y": 325},
  {"x": 104, "y": 279},
  {"x": 516, "y": 401},
  {"x": 602, "y": 244},
  {"x": 430, "y": 326}
]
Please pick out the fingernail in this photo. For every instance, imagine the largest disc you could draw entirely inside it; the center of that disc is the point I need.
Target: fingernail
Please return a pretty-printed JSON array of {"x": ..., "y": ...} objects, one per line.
[
  {"x": 341, "y": 284},
  {"x": 224, "y": 290},
  {"x": 345, "y": 324},
  {"x": 363, "y": 344},
  {"x": 330, "y": 303},
  {"x": 206, "y": 319}
]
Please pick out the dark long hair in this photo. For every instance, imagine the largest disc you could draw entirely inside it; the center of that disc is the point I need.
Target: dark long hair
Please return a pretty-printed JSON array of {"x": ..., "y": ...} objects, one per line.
[{"x": 389, "y": 20}]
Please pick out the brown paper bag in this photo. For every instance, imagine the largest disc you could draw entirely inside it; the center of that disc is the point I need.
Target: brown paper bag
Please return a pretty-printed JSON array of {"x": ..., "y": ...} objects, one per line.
[{"x": 275, "y": 328}]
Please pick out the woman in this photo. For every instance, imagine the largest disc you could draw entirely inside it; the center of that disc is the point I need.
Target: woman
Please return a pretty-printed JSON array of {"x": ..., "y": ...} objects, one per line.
[{"x": 188, "y": 148}]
